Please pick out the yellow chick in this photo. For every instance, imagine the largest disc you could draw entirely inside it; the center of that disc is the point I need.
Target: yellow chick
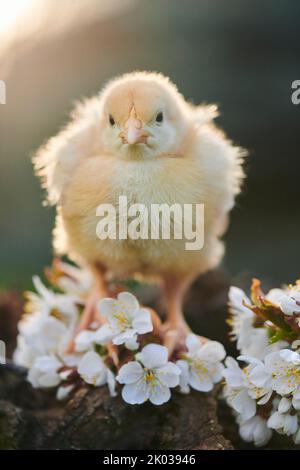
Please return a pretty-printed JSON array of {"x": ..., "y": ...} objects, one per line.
[{"x": 139, "y": 138}]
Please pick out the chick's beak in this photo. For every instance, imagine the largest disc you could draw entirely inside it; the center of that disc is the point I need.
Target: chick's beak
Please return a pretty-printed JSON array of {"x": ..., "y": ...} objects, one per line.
[{"x": 133, "y": 131}]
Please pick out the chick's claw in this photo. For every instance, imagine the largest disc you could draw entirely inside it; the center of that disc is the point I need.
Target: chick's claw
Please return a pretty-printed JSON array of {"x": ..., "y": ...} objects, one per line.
[
  {"x": 112, "y": 351},
  {"x": 174, "y": 336}
]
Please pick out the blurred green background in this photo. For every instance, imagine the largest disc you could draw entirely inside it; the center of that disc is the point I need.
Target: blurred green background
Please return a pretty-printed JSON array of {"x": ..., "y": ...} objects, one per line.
[{"x": 241, "y": 55}]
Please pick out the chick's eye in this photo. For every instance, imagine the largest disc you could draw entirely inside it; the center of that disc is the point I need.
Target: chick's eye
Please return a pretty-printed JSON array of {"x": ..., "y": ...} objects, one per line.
[
  {"x": 159, "y": 117},
  {"x": 111, "y": 120}
]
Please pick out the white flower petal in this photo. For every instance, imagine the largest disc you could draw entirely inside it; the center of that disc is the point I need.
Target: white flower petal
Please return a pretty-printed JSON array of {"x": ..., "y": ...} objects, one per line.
[
  {"x": 184, "y": 376},
  {"x": 41, "y": 289},
  {"x": 259, "y": 376},
  {"x": 142, "y": 322},
  {"x": 71, "y": 360},
  {"x": 130, "y": 373},
  {"x": 44, "y": 372},
  {"x": 275, "y": 421},
  {"x": 111, "y": 382},
  {"x": 135, "y": 393},
  {"x": 237, "y": 298},
  {"x": 233, "y": 374},
  {"x": 289, "y": 303},
  {"x": 103, "y": 335},
  {"x": 127, "y": 335},
  {"x": 297, "y": 437},
  {"x": 284, "y": 405},
  {"x": 296, "y": 394},
  {"x": 243, "y": 404},
  {"x": 213, "y": 351},
  {"x": 129, "y": 301},
  {"x": 84, "y": 340},
  {"x": 193, "y": 343},
  {"x": 255, "y": 430},
  {"x": 286, "y": 423},
  {"x": 154, "y": 355},
  {"x": 92, "y": 369},
  {"x": 49, "y": 380},
  {"x": 274, "y": 295},
  {"x": 291, "y": 424},
  {"x": 265, "y": 398},
  {"x": 168, "y": 374},
  {"x": 290, "y": 356},
  {"x": 106, "y": 306},
  {"x": 296, "y": 403},
  {"x": 202, "y": 383},
  {"x": 132, "y": 344},
  {"x": 216, "y": 372},
  {"x": 63, "y": 392},
  {"x": 159, "y": 394}
]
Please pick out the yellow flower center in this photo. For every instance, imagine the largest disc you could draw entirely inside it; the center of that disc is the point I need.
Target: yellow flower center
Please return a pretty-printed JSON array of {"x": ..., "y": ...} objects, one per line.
[
  {"x": 56, "y": 314},
  {"x": 120, "y": 315},
  {"x": 200, "y": 367},
  {"x": 122, "y": 320},
  {"x": 150, "y": 378},
  {"x": 258, "y": 391},
  {"x": 288, "y": 373}
]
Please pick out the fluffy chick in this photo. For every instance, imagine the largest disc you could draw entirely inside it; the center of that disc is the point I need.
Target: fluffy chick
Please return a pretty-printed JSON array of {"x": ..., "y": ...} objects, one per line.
[{"x": 141, "y": 139}]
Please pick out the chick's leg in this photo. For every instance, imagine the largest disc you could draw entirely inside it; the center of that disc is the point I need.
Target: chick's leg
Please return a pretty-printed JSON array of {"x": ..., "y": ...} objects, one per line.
[
  {"x": 175, "y": 329},
  {"x": 90, "y": 312}
]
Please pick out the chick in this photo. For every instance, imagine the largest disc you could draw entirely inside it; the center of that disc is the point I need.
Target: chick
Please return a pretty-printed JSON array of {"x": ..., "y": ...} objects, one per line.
[{"x": 141, "y": 139}]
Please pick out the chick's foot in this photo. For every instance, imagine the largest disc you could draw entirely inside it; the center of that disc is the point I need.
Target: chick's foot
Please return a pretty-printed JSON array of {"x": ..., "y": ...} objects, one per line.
[
  {"x": 89, "y": 316},
  {"x": 174, "y": 336}
]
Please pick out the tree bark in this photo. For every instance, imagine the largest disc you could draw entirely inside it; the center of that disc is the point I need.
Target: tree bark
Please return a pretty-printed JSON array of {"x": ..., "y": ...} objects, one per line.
[
  {"x": 91, "y": 419},
  {"x": 33, "y": 419}
]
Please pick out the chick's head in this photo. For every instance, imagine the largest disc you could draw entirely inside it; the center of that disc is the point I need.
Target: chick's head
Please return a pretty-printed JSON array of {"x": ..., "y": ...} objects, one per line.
[{"x": 143, "y": 116}]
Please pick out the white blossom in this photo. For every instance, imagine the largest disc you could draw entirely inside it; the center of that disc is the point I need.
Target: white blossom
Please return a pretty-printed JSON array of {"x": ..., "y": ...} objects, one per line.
[
  {"x": 48, "y": 325},
  {"x": 44, "y": 334},
  {"x": 150, "y": 377},
  {"x": 255, "y": 430},
  {"x": 281, "y": 371},
  {"x": 46, "y": 302},
  {"x": 290, "y": 303},
  {"x": 201, "y": 366},
  {"x": 75, "y": 282},
  {"x": 24, "y": 354},
  {"x": 93, "y": 371},
  {"x": 296, "y": 403},
  {"x": 273, "y": 371},
  {"x": 296, "y": 437},
  {"x": 263, "y": 392},
  {"x": 64, "y": 391},
  {"x": 84, "y": 341},
  {"x": 44, "y": 372},
  {"x": 240, "y": 392},
  {"x": 284, "y": 405},
  {"x": 125, "y": 321},
  {"x": 287, "y": 299},
  {"x": 251, "y": 341},
  {"x": 236, "y": 392},
  {"x": 284, "y": 423},
  {"x": 241, "y": 317},
  {"x": 274, "y": 295}
]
